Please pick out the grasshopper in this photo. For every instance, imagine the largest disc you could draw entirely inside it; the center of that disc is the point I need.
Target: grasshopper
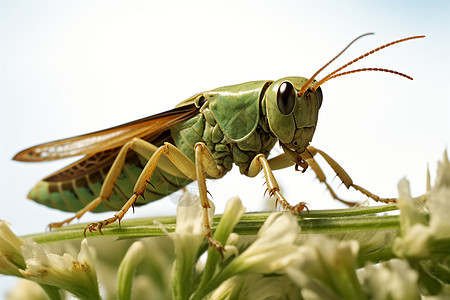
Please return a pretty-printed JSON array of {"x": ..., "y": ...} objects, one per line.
[{"x": 201, "y": 137}]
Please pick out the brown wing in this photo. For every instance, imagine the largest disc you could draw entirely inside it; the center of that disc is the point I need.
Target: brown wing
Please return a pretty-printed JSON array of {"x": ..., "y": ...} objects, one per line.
[
  {"x": 85, "y": 166},
  {"x": 111, "y": 138},
  {"x": 99, "y": 162}
]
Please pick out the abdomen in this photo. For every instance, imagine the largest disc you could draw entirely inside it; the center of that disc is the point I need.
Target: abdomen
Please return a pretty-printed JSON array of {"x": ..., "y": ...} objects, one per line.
[{"x": 72, "y": 195}]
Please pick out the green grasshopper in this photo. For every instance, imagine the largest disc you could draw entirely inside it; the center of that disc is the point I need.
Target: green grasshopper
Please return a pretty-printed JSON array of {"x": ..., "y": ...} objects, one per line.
[{"x": 202, "y": 136}]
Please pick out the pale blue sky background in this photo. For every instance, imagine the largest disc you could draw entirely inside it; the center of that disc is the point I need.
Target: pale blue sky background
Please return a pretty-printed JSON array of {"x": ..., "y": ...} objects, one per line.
[{"x": 71, "y": 67}]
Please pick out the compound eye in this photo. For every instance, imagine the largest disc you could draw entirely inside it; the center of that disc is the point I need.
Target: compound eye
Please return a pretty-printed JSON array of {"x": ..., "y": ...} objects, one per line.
[
  {"x": 286, "y": 98},
  {"x": 320, "y": 95}
]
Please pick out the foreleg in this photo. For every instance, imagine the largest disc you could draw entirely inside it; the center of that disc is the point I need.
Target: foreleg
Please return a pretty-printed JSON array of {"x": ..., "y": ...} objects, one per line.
[{"x": 309, "y": 154}]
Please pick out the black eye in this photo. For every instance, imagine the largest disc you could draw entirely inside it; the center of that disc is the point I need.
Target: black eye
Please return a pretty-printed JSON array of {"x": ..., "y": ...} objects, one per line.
[
  {"x": 286, "y": 98},
  {"x": 320, "y": 95}
]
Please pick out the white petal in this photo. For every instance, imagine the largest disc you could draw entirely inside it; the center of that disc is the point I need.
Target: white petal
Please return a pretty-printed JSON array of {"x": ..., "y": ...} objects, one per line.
[
  {"x": 273, "y": 249},
  {"x": 10, "y": 245},
  {"x": 439, "y": 201},
  {"x": 77, "y": 277},
  {"x": 391, "y": 280}
]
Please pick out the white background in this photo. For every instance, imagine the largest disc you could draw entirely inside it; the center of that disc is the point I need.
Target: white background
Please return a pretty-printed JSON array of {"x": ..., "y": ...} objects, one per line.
[{"x": 71, "y": 67}]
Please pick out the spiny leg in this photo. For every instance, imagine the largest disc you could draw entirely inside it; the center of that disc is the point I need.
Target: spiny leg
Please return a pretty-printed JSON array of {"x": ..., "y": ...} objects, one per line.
[
  {"x": 145, "y": 149},
  {"x": 181, "y": 162},
  {"x": 260, "y": 162},
  {"x": 205, "y": 163},
  {"x": 306, "y": 160},
  {"x": 340, "y": 172},
  {"x": 111, "y": 177},
  {"x": 322, "y": 178},
  {"x": 117, "y": 216}
]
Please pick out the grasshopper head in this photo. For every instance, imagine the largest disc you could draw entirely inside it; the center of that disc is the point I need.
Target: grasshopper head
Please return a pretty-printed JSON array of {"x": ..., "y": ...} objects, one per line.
[
  {"x": 292, "y": 103},
  {"x": 292, "y": 118}
]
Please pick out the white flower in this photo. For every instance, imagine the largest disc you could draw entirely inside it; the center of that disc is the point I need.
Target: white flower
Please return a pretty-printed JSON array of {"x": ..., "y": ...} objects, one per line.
[
  {"x": 187, "y": 238},
  {"x": 415, "y": 234},
  {"x": 391, "y": 280},
  {"x": 223, "y": 234},
  {"x": 190, "y": 231},
  {"x": 422, "y": 236},
  {"x": 76, "y": 276},
  {"x": 273, "y": 249},
  {"x": 439, "y": 201},
  {"x": 231, "y": 216},
  {"x": 11, "y": 258},
  {"x": 233, "y": 213},
  {"x": 327, "y": 269}
]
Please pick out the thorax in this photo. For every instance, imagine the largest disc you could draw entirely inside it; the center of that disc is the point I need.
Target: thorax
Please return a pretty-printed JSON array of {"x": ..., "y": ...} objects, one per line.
[{"x": 205, "y": 128}]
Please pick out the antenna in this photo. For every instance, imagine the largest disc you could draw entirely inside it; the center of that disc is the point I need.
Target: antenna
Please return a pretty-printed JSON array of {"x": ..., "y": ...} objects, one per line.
[
  {"x": 332, "y": 74},
  {"x": 362, "y": 70},
  {"x": 310, "y": 80}
]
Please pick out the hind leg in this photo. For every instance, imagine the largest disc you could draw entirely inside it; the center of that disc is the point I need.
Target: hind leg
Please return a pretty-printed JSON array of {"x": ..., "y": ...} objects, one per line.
[
  {"x": 204, "y": 164},
  {"x": 140, "y": 146}
]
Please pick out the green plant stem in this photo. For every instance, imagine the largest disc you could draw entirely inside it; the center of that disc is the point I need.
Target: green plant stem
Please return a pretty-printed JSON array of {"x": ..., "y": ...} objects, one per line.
[
  {"x": 323, "y": 221},
  {"x": 52, "y": 292},
  {"x": 127, "y": 268}
]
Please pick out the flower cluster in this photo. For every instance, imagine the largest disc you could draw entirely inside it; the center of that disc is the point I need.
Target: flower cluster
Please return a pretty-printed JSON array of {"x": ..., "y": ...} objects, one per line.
[
  {"x": 425, "y": 232},
  {"x": 425, "y": 226},
  {"x": 27, "y": 259},
  {"x": 409, "y": 260}
]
